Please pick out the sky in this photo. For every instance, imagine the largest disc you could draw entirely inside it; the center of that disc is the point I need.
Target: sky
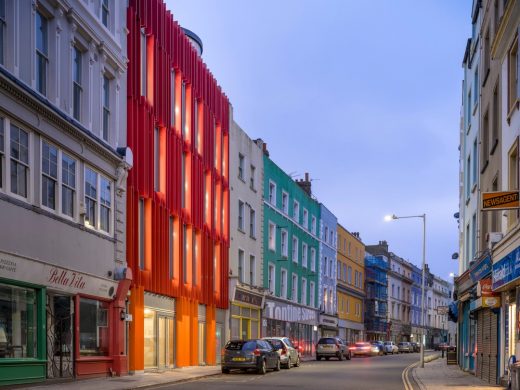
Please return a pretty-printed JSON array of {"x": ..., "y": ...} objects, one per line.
[{"x": 363, "y": 95}]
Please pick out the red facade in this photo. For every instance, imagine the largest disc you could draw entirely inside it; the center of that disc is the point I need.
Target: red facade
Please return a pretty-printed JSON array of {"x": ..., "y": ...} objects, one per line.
[{"x": 202, "y": 153}]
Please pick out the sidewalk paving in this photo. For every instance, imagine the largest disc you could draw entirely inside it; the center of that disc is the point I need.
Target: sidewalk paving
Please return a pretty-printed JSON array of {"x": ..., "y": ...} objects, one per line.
[
  {"x": 137, "y": 381},
  {"x": 439, "y": 376}
]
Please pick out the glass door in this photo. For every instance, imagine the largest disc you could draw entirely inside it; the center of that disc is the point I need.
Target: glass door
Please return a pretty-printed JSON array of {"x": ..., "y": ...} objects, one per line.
[
  {"x": 165, "y": 342},
  {"x": 150, "y": 350},
  {"x": 202, "y": 343}
]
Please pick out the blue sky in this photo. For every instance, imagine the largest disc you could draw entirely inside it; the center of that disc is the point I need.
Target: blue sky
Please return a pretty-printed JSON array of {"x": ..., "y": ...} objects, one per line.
[{"x": 365, "y": 96}]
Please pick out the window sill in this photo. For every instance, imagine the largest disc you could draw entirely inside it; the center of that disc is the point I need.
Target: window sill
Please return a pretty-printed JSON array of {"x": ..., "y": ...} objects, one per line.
[
  {"x": 241, "y": 179},
  {"x": 493, "y": 148},
  {"x": 484, "y": 166},
  {"x": 241, "y": 230},
  {"x": 252, "y": 189},
  {"x": 252, "y": 237}
]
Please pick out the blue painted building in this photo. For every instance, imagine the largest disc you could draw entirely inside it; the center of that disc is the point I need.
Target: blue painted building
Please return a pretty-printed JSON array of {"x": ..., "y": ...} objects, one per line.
[
  {"x": 376, "y": 301},
  {"x": 328, "y": 320},
  {"x": 415, "y": 307}
]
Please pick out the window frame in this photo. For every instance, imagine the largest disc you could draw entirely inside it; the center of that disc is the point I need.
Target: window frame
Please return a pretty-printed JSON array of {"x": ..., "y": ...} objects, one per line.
[
  {"x": 271, "y": 237},
  {"x": 99, "y": 176},
  {"x": 77, "y": 87},
  {"x": 252, "y": 223},
  {"x": 41, "y": 58},
  {"x": 283, "y": 283},
  {"x": 296, "y": 211},
  {"x": 284, "y": 243},
  {"x": 241, "y": 216},
  {"x": 272, "y": 194},
  {"x": 28, "y": 165},
  {"x": 271, "y": 286},
  {"x": 105, "y": 114},
  {"x": 241, "y": 164}
]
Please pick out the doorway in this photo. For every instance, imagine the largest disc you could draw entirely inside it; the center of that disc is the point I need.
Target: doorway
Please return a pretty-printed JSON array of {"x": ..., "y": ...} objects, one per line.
[
  {"x": 59, "y": 336},
  {"x": 159, "y": 340},
  {"x": 165, "y": 342}
]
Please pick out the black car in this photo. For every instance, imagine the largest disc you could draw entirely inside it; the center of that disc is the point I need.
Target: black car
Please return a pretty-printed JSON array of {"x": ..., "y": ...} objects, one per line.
[{"x": 245, "y": 354}]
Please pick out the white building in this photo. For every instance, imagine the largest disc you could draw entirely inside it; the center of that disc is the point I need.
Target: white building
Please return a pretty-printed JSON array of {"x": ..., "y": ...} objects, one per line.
[
  {"x": 62, "y": 187},
  {"x": 246, "y": 232}
]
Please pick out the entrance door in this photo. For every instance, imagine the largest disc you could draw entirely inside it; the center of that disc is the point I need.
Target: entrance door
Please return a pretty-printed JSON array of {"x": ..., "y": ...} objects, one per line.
[
  {"x": 218, "y": 341},
  {"x": 165, "y": 341},
  {"x": 202, "y": 343},
  {"x": 59, "y": 337}
]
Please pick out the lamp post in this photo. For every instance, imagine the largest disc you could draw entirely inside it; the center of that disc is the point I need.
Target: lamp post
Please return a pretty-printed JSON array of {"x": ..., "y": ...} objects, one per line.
[{"x": 423, "y": 216}]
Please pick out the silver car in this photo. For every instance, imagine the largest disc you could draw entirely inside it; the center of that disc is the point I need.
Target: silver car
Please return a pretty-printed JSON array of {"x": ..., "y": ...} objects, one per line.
[
  {"x": 328, "y": 347},
  {"x": 289, "y": 355},
  {"x": 405, "y": 346},
  {"x": 390, "y": 347}
]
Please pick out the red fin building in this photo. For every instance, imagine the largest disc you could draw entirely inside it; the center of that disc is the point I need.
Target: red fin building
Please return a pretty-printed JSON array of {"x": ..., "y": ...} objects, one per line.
[{"x": 178, "y": 196}]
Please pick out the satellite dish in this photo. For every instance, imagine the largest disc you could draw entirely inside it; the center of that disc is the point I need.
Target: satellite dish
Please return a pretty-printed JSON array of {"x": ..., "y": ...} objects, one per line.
[{"x": 455, "y": 256}]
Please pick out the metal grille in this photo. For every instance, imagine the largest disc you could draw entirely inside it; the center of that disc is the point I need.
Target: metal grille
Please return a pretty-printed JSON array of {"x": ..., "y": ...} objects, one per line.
[{"x": 59, "y": 337}]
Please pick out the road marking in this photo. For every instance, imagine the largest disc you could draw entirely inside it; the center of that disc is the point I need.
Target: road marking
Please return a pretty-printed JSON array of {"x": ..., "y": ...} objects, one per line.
[{"x": 406, "y": 381}]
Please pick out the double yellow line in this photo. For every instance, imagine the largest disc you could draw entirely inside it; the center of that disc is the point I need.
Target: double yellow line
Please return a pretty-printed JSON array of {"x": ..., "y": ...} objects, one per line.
[{"x": 406, "y": 381}]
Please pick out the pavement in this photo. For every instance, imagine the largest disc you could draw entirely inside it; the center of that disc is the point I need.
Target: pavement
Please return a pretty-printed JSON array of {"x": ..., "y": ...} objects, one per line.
[
  {"x": 137, "y": 381},
  {"x": 439, "y": 376}
]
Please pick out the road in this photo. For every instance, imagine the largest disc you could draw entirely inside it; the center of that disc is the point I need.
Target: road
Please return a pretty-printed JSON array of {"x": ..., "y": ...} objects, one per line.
[{"x": 381, "y": 372}]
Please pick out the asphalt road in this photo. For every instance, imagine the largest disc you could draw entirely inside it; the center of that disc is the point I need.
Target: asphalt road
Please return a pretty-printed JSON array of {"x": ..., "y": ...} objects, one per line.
[{"x": 380, "y": 372}]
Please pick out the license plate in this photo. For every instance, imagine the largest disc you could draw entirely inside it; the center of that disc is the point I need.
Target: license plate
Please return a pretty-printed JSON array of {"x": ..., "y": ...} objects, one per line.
[{"x": 239, "y": 359}]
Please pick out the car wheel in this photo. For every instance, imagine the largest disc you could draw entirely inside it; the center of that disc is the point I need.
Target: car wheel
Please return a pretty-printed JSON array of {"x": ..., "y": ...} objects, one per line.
[
  {"x": 340, "y": 356},
  {"x": 277, "y": 367},
  {"x": 288, "y": 365},
  {"x": 318, "y": 357},
  {"x": 349, "y": 356},
  {"x": 262, "y": 369},
  {"x": 297, "y": 362},
  {"x": 225, "y": 370}
]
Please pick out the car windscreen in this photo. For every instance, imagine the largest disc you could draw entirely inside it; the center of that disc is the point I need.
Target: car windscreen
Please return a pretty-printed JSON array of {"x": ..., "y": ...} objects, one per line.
[
  {"x": 327, "y": 341},
  {"x": 241, "y": 345},
  {"x": 277, "y": 344}
]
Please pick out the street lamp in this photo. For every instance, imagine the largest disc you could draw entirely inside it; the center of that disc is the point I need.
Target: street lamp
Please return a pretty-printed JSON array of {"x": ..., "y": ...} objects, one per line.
[{"x": 423, "y": 216}]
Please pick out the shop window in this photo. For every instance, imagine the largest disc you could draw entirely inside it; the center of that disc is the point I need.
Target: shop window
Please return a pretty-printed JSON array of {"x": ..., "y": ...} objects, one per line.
[
  {"x": 18, "y": 322},
  {"x": 93, "y": 327}
]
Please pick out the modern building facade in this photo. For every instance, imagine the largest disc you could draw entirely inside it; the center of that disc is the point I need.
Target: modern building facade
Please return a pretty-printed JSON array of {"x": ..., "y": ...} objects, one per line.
[
  {"x": 291, "y": 261},
  {"x": 328, "y": 321},
  {"x": 376, "y": 301},
  {"x": 178, "y": 195},
  {"x": 63, "y": 276},
  {"x": 350, "y": 285},
  {"x": 246, "y": 293}
]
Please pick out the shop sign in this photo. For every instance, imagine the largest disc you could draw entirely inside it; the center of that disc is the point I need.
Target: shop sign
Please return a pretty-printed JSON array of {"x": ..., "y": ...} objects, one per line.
[
  {"x": 287, "y": 312},
  {"x": 328, "y": 321},
  {"x": 487, "y": 302},
  {"x": 484, "y": 288},
  {"x": 248, "y": 298},
  {"x": 507, "y": 269},
  {"x": 500, "y": 200},
  {"x": 51, "y": 276},
  {"x": 481, "y": 269}
]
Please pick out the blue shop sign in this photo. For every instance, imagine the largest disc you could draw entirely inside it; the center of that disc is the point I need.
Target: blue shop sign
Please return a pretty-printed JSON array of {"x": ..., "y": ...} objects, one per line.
[
  {"x": 507, "y": 269},
  {"x": 481, "y": 269}
]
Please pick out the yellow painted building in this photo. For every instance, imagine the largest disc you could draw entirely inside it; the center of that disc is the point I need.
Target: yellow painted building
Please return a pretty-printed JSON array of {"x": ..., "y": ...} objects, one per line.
[{"x": 350, "y": 285}]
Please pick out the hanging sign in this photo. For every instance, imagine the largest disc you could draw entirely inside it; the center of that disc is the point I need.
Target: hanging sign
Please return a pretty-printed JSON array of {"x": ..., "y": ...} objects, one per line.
[{"x": 500, "y": 200}]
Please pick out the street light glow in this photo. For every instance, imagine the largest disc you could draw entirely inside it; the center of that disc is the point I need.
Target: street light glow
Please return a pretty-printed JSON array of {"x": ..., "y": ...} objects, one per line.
[
  {"x": 452, "y": 274},
  {"x": 389, "y": 217}
]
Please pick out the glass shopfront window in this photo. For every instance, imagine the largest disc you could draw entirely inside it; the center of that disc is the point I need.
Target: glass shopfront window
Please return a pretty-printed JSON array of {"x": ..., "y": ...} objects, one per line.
[
  {"x": 299, "y": 334},
  {"x": 93, "y": 327},
  {"x": 245, "y": 322},
  {"x": 18, "y": 322}
]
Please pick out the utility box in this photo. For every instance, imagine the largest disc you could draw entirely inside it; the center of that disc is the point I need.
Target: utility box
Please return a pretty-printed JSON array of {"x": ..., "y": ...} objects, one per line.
[{"x": 451, "y": 355}]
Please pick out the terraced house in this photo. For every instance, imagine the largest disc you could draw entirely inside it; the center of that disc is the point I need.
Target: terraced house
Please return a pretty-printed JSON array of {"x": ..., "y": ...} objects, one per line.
[
  {"x": 350, "y": 285},
  {"x": 291, "y": 258}
]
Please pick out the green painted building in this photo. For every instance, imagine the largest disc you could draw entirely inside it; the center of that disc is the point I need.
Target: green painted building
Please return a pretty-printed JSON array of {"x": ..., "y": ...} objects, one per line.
[{"x": 291, "y": 258}]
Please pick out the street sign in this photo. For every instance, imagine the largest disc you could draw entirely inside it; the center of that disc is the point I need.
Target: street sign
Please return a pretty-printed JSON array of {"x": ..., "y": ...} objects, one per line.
[
  {"x": 500, "y": 200},
  {"x": 442, "y": 310}
]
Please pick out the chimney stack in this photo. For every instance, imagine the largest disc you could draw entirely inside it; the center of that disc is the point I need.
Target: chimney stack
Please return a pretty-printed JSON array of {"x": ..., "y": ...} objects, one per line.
[{"x": 305, "y": 184}]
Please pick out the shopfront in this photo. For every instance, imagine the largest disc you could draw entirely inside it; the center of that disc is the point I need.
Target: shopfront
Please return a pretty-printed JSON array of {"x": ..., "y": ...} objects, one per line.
[
  {"x": 299, "y": 323},
  {"x": 328, "y": 325},
  {"x": 246, "y": 309},
  {"x": 350, "y": 331},
  {"x": 58, "y": 323},
  {"x": 159, "y": 332}
]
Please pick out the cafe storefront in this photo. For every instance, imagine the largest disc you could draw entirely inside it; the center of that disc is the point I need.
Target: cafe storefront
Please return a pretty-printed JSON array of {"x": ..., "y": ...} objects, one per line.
[
  {"x": 246, "y": 309},
  {"x": 57, "y": 322},
  {"x": 298, "y": 323}
]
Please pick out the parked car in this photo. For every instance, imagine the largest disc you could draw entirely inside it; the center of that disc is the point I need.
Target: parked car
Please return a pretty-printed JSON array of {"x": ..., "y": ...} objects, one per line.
[
  {"x": 381, "y": 347},
  {"x": 328, "y": 347},
  {"x": 390, "y": 347},
  {"x": 245, "y": 354},
  {"x": 405, "y": 346},
  {"x": 415, "y": 347},
  {"x": 289, "y": 355},
  {"x": 364, "y": 349}
]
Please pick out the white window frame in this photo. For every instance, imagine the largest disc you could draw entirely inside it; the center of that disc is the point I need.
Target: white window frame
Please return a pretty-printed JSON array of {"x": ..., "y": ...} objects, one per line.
[
  {"x": 325, "y": 265},
  {"x": 305, "y": 221},
  {"x": 305, "y": 255},
  {"x": 98, "y": 201},
  {"x": 294, "y": 287},
  {"x": 271, "y": 278},
  {"x": 313, "y": 259},
  {"x": 252, "y": 223},
  {"x": 105, "y": 7},
  {"x": 283, "y": 283},
  {"x": 241, "y": 265},
  {"x": 312, "y": 294},
  {"x": 252, "y": 179},
  {"x": 105, "y": 107},
  {"x": 252, "y": 269},
  {"x": 44, "y": 56},
  {"x": 285, "y": 202},
  {"x": 241, "y": 211},
  {"x": 313, "y": 225},
  {"x": 272, "y": 236},
  {"x": 295, "y": 249},
  {"x": 304, "y": 292},
  {"x": 284, "y": 242},
  {"x": 296, "y": 211},
  {"x": 7, "y": 185},
  {"x": 77, "y": 84},
  {"x": 272, "y": 194},
  {"x": 241, "y": 165},
  {"x": 60, "y": 184}
]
